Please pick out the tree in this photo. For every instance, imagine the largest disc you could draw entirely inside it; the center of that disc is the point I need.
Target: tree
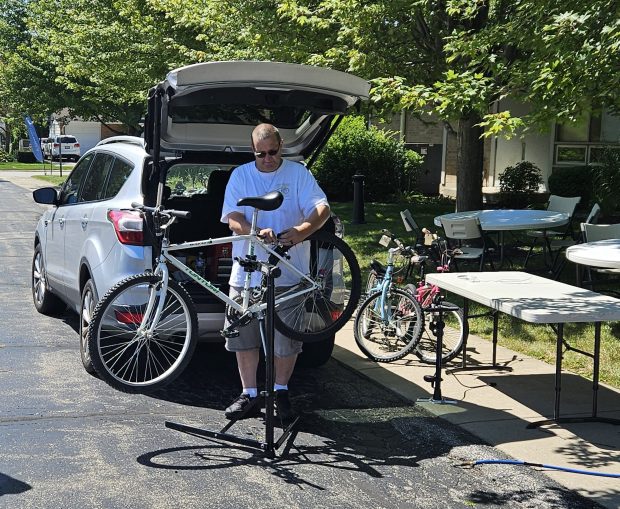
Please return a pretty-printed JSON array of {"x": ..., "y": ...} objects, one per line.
[{"x": 455, "y": 58}]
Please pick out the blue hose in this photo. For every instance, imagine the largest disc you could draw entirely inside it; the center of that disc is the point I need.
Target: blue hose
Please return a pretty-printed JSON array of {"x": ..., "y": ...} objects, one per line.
[{"x": 543, "y": 465}]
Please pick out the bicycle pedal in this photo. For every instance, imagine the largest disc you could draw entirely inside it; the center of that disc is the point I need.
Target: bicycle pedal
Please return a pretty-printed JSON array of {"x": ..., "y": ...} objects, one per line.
[{"x": 234, "y": 333}]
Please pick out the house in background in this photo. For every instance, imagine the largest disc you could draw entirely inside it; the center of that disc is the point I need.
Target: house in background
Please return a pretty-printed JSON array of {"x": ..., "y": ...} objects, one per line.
[
  {"x": 88, "y": 133},
  {"x": 575, "y": 144}
]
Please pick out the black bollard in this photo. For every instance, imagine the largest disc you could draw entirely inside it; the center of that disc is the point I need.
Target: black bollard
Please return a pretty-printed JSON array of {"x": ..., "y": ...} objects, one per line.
[{"x": 358, "y": 199}]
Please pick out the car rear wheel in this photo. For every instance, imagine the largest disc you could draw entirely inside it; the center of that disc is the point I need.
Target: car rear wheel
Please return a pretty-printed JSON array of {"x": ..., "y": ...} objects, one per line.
[
  {"x": 87, "y": 307},
  {"x": 45, "y": 301}
]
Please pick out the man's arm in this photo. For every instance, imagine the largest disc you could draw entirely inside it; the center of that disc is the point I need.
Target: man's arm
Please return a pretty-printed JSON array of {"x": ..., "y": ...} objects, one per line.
[
  {"x": 241, "y": 226},
  {"x": 312, "y": 223}
]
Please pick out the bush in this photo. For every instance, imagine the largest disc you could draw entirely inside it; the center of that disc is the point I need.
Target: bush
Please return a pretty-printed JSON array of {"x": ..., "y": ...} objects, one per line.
[
  {"x": 606, "y": 181},
  {"x": 572, "y": 181},
  {"x": 5, "y": 157},
  {"x": 518, "y": 183},
  {"x": 390, "y": 170}
]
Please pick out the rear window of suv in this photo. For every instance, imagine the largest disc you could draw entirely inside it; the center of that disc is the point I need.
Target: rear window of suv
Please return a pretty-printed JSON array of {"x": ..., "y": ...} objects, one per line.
[{"x": 67, "y": 139}]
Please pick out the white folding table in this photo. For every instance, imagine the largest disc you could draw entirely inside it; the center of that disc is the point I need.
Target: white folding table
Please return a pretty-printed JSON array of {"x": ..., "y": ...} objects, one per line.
[{"x": 536, "y": 299}]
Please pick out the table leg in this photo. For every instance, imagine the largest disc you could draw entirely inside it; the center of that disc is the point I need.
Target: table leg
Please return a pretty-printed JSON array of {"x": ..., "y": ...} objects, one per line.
[{"x": 558, "y": 384}]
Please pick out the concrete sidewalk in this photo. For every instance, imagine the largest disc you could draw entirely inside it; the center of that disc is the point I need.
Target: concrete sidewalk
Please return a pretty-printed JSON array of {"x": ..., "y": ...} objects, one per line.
[{"x": 497, "y": 404}]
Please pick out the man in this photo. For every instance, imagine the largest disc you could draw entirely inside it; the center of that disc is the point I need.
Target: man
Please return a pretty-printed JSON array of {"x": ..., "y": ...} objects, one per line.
[{"x": 304, "y": 210}]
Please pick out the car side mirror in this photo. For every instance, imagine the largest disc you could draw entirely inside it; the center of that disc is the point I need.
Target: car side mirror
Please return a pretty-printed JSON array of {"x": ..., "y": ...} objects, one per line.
[{"x": 46, "y": 196}]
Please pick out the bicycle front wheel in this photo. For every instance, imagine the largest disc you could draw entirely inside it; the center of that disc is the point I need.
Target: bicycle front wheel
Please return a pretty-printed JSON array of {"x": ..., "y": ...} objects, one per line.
[
  {"x": 388, "y": 328},
  {"x": 131, "y": 350},
  {"x": 313, "y": 315},
  {"x": 453, "y": 335}
]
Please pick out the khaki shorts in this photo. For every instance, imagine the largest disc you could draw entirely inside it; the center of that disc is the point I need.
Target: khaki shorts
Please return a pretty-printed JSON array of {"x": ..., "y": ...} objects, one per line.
[{"x": 249, "y": 337}]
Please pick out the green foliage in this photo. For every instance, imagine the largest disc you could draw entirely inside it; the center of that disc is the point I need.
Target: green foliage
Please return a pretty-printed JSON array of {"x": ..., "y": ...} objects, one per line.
[
  {"x": 389, "y": 169},
  {"x": 606, "y": 181},
  {"x": 518, "y": 183},
  {"x": 523, "y": 177},
  {"x": 572, "y": 181},
  {"x": 5, "y": 157}
]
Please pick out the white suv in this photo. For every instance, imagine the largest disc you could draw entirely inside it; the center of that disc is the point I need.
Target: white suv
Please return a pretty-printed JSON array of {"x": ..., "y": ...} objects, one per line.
[
  {"x": 65, "y": 147},
  {"x": 90, "y": 239}
]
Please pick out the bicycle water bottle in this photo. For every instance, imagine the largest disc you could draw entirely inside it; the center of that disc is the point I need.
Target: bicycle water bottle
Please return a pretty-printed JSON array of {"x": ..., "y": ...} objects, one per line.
[{"x": 200, "y": 264}]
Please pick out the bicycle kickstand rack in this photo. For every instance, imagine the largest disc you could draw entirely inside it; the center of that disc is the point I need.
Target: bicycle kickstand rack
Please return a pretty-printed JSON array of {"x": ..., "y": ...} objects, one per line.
[
  {"x": 269, "y": 445},
  {"x": 435, "y": 380}
]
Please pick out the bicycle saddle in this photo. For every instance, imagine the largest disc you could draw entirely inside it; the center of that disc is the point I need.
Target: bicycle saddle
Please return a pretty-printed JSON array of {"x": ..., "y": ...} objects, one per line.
[{"x": 269, "y": 201}]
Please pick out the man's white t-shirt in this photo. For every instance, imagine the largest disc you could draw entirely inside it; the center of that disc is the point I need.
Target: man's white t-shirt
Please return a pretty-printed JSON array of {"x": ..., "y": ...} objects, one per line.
[{"x": 302, "y": 195}]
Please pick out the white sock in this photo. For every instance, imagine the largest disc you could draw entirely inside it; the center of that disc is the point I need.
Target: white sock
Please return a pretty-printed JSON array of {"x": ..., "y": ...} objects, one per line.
[
  {"x": 250, "y": 391},
  {"x": 278, "y": 387}
]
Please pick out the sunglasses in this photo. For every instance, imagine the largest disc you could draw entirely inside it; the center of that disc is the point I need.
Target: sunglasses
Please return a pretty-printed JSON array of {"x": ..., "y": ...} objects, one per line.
[{"x": 272, "y": 153}]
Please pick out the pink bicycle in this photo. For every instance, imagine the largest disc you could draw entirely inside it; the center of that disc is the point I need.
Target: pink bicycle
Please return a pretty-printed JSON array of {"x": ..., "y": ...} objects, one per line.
[{"x": 430, "y": 297}]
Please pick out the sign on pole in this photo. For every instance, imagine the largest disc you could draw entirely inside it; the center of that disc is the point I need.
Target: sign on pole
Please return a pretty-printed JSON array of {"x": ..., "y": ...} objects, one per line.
[{"x": 35, "y": 143}]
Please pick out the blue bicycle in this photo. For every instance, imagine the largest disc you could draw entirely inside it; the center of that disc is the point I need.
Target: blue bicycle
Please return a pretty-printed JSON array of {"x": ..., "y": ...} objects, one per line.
[{"x": 389, "y": 322}]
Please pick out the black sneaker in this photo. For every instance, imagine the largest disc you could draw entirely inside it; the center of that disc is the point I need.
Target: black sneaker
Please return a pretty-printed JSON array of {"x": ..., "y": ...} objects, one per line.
[
  {"x": 284, "y": 410},
  {"x": 237, "y": 407}
]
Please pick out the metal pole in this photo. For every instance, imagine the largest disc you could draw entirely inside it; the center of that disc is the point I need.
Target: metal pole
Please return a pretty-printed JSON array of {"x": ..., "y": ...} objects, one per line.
[{"x": 358, "y": 199}]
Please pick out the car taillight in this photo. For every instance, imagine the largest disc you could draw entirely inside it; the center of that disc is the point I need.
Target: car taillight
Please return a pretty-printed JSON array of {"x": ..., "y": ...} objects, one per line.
[
  {"x": 76, "y": 145},
  {"x": 56, "y": 145},
  {"x": 128, "y": 226},
  {"x": 128, "y": 317}
]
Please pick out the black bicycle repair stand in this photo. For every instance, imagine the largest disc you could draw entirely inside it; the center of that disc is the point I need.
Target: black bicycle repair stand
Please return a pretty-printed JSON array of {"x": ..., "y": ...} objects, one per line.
[
  {"x": 266, "y": 326},
  {"x": 435, "y": 380}
]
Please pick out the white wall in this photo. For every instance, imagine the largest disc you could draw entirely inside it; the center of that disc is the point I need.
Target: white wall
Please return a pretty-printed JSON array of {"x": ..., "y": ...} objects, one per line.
[{"x": 536, "y": 148}]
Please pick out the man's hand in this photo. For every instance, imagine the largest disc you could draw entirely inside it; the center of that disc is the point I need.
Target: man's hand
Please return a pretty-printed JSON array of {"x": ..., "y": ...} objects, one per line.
[
  {"x": 267, "y": 234},
  {"x": 292, "y": 236}
]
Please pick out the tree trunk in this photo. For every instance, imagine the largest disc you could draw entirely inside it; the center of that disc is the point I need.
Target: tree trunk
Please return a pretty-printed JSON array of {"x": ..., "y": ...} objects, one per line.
[{"x": 469, "y": 164}]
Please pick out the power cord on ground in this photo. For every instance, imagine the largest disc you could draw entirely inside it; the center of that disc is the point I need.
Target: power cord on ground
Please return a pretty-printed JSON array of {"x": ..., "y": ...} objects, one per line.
[{"x": 471, "y": 464}]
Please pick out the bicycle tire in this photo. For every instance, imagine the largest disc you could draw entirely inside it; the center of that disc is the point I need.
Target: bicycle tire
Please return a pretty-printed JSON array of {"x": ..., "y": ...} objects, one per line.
[
  {"x": 130, "y": 360},
  {"x": 389, "y": 341},
  {"x": 453, "y": 336},
  {"x": 371, "y": 282},
  {"x": 323, "y": 312}
]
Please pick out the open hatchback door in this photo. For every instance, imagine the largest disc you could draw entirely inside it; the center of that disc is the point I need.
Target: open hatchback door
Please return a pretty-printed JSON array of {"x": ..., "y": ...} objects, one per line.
[{"x": 207, "y": 111}]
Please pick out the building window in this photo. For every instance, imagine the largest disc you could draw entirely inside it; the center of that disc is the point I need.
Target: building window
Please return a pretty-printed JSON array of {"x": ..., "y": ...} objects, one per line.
[{"x": 582, "y": 142}]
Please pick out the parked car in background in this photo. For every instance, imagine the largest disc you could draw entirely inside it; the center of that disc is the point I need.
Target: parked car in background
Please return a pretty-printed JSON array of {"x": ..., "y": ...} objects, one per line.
[
  {"x": 90, "y": 239},
  {"x": 65, "y": 147},
  {"x": 46, "y": 147},
  {"x": 24, "y": 151}
]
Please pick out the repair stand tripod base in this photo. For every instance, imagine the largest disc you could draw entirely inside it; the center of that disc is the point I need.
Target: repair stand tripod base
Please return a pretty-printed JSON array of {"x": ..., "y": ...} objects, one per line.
[
  {"x": 269, "y": 446},
  {"x": 435, "y": 379}
]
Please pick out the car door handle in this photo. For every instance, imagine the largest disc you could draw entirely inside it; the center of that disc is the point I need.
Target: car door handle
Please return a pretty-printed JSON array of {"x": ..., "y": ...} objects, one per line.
[
  {"x": 84, "y": 222},
  {"x": 61, "y": 222}
]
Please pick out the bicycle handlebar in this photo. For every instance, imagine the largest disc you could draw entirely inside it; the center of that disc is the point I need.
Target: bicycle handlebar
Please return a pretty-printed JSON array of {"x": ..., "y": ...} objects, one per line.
[{"x": 182, "y": 214}]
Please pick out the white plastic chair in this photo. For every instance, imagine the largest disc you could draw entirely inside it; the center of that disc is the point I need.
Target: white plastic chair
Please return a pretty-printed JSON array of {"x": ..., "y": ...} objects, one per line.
[
  {"x": 559, "y": 245},
  {"x": 457, "y": 231},
  {"x": 565, "y": 205}
]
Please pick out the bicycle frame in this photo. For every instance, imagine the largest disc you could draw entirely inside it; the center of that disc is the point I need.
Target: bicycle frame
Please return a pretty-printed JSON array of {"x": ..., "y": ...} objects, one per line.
[{"x": 244, "y": 309}]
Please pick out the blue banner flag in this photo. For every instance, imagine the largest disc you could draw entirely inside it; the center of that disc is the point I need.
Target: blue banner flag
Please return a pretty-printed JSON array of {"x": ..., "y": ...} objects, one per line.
[{"x": 35, "y": 143}]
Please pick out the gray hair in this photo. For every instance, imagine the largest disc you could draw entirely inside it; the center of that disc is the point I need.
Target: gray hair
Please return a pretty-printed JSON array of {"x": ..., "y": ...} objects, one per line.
[{"x": 265, "y": 131}]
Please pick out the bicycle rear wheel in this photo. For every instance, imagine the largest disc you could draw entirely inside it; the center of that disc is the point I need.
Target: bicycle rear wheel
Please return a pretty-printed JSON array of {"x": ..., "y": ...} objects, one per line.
[
  {"x": 128, "y": 350},
  {"x": 453, "y": 335},
  {"x": 387, "y": 330},
  {"x": 330, "y": 263}
]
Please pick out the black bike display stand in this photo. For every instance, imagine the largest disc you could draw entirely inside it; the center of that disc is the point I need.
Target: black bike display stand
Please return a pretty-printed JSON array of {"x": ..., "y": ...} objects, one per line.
[
  {"x": 269, "y": 446},
  {"x": 435, "y": 380}
]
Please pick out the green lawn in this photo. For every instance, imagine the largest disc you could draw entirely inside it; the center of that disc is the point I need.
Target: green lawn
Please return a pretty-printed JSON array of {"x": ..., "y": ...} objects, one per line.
[
  {"x": 23, "y": 166},
  {"x": 538, "y": 341}
]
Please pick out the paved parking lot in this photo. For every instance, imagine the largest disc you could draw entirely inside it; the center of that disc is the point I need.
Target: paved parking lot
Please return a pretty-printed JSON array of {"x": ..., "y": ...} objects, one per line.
[{"x": 68, "y": 440}]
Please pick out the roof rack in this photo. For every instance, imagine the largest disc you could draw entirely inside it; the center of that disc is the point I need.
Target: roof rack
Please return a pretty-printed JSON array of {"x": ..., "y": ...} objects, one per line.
[{"x": 133, "y": 140}]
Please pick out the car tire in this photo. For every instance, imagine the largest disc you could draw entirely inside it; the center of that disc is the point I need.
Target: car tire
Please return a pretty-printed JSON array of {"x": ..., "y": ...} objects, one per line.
[
  {"x": 87, "y": 307},
  {"x": 44, "y": 300},
  {"x": 317, "y": 353}
]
